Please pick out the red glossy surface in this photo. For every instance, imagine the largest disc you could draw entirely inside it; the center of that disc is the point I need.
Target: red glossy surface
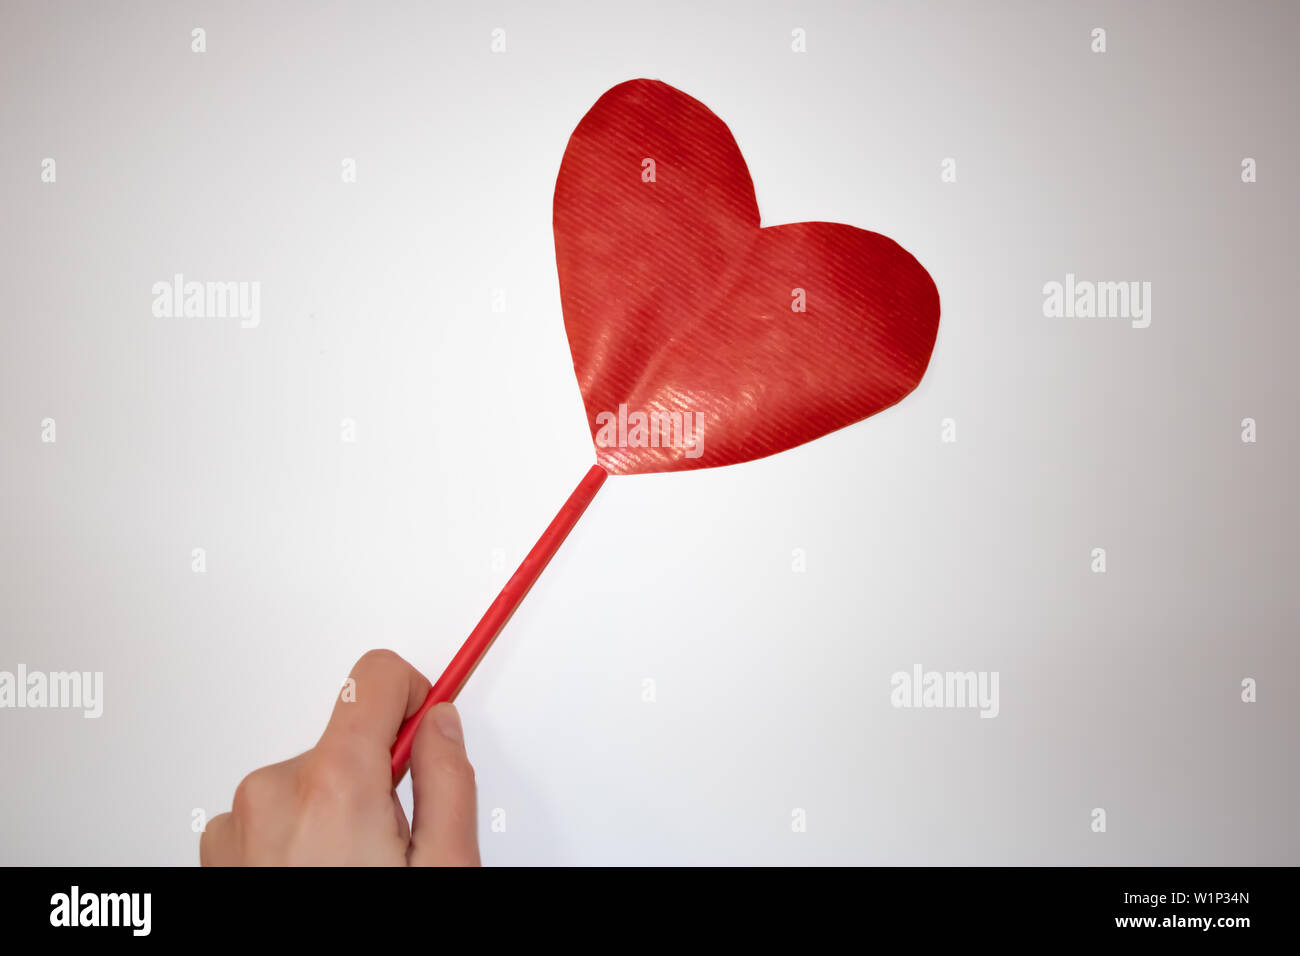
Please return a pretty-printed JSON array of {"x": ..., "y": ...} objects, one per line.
[{"x": 676, "y": 301}]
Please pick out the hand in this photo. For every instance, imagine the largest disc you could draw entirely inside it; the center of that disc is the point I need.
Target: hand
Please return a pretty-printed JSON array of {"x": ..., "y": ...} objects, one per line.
[{"x": 335, "y": 805}]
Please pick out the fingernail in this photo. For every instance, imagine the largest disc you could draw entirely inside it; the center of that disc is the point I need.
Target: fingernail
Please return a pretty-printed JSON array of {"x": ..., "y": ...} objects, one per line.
[{"x": 448, "y": 722}]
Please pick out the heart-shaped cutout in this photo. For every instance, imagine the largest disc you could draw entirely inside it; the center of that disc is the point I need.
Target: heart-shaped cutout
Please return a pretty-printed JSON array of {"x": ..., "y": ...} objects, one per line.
[{"x": 698, "y": 338}]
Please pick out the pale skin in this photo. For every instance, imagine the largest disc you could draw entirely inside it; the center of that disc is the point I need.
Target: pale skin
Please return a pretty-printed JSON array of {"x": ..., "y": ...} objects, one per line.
[{"x": 335, "y": 806}]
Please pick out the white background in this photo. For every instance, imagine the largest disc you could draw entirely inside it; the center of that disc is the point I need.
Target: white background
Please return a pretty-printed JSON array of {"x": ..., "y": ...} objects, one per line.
[{"x": 1119, "y": 691}]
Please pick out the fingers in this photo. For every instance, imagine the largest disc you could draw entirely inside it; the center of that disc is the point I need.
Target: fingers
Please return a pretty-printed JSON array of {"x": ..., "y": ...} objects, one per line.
[
  {"x": 335, "y": 804},
  {"x": 445, "y": 828},
  {"x": 385, "y": 692}
]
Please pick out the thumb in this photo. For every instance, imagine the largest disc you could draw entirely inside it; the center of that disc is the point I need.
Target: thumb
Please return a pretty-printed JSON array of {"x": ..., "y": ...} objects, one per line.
[{"x": 444, "y": 831}]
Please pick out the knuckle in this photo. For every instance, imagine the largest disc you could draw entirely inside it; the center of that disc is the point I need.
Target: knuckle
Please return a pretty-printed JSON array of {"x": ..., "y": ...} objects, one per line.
[
  {"x": 454, "y": 765},
  {"x": 219, "y": 841},
  {"x": 326, "y": 775},
  {"x": 253, "y": 794}
]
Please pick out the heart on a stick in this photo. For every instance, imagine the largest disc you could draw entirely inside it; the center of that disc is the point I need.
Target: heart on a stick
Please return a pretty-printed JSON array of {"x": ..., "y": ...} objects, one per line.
[{"x": 698, "y": 338}]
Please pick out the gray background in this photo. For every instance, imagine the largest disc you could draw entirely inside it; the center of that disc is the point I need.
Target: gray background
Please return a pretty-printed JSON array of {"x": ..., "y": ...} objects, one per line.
[{"x": 1119, "y": 691}]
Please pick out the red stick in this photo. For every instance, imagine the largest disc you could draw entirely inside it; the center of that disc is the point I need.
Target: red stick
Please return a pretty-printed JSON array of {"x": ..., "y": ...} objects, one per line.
[{"x": 480, "y": 639}]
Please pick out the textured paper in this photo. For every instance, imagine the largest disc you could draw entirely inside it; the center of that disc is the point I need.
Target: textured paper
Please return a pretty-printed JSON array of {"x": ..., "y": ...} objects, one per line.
[{"x": 684, "y": 317}]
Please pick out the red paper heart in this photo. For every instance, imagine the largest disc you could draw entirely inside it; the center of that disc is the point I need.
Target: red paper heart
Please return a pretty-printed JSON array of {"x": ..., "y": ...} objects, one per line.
[{"x": 676, "y": 301}]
